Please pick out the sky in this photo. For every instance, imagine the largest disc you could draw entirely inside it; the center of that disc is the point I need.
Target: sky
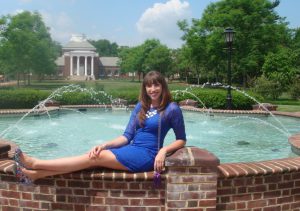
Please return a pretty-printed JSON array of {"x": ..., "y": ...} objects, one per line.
[{"x": 126, "y": 22}]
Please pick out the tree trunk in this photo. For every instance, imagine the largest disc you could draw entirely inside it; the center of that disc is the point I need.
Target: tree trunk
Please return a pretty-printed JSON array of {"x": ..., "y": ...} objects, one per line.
[
  {"x": 24, "y": 78},
  {"x": 40, "y": 77},
  {"x": 186, "y": 75},
  {"x": 18, "y": 79},
  {"x": 28, "y": 78},
  {"x": 198, "y": 76},
  {"x": 244, "y": 80},
  {"x": 217, "y": 75}
]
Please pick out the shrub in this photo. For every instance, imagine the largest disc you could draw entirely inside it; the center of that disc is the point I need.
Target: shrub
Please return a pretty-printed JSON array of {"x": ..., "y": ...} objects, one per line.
[
  {"x": 295, "y": 90},
  {"x": 215, "y": 98},
  {"x": 23, "y": 98},
  {"x": 83, "y": 98},
  {"x": 211, "y": 98},
  {"x": 267, "y": 88}
]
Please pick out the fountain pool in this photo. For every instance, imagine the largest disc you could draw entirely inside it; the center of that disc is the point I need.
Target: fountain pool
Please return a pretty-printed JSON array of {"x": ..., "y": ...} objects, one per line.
[{"x": 231, "y": 138}]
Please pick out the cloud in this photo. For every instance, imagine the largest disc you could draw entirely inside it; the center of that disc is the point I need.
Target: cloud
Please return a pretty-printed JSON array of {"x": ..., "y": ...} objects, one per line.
[
  {"x": 61, "y": 25},
  {"x": 160, "y": 22}
]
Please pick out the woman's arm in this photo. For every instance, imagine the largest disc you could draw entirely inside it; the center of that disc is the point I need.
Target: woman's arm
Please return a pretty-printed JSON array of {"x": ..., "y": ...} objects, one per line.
[
  {"x": 176, "y": 120},
  {"x": 161, "y": 155},
  {"x": 121, "y": 140},
  {"x": 117, "y": 142}
]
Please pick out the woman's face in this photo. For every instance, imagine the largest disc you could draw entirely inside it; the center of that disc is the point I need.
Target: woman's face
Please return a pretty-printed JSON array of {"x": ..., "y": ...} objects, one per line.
[{"x": 154, "y": 92}]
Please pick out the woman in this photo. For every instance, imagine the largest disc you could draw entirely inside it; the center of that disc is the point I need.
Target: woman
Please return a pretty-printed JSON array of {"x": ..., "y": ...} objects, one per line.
[{"x": 139, "y": 149}]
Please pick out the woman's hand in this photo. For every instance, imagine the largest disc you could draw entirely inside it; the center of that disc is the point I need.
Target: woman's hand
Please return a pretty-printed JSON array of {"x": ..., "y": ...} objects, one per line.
[
  {"x": 95, "y": 151},
  {"x": 159, "y": 162}
]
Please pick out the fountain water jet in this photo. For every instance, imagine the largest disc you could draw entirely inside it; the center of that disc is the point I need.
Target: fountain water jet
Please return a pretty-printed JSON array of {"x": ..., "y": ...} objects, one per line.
[{"x": 41, "y": 107}]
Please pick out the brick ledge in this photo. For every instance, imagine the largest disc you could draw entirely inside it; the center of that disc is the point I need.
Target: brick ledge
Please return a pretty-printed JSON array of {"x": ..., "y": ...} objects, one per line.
[
  {"x": 228, "y": 170},
  {"x": 294, "y": 140},
  {"x": 223, "y": 111},
  {"x": 186, "y": 156}
]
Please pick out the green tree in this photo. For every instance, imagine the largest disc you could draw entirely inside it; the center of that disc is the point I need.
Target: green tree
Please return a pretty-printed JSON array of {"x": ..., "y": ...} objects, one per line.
[
  {"x": 105, "y": 48},
  {"x": 146, "y": 49},
  {"x": 26, "y": 46},
  {"x": 268, "y": 88},
  {"x": 280, "y": 67},
  {"x": 131, "y": 60},
  {"x": 134, "y": 59},
  {"x": 295, "y": 46},
  {"x": 181, "y": 62},
  {"x": 196, "y": 41},
  {"x": 259, "y": 30},
  {"x": 159, "y": 59}
]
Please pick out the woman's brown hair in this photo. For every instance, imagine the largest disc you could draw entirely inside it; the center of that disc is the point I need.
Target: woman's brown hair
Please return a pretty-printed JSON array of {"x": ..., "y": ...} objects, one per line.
[{"x": 153, "y": 77}]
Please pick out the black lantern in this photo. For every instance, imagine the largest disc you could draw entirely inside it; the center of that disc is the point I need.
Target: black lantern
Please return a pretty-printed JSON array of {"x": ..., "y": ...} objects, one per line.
[{"x": 229, "y": 35}]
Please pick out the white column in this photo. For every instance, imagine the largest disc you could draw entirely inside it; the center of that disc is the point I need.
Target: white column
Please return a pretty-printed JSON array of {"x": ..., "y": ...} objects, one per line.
[
  {"x": 71, "y": 65},
  {"x": 85, "y": 65},
  {"x": 92, "y": 61},
  {"x": 77, "y": 73}
]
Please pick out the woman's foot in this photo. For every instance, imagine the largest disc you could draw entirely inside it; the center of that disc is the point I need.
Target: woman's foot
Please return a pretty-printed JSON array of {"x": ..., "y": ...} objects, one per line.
[
  {"x": 31, "y": 174},
  {"x": 23, "y": 178},
  {"x": 23, "y": 160}
]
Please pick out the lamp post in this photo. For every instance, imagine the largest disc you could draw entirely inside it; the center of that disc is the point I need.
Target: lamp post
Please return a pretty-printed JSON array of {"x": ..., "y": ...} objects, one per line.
[{"x": 229, "y": 34}]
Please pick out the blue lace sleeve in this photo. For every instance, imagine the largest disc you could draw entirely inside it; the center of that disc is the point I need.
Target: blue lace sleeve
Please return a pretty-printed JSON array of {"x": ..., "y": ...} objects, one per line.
[
  {"x": 131, "y": 126},
  {"x": 177, "y": 121}
]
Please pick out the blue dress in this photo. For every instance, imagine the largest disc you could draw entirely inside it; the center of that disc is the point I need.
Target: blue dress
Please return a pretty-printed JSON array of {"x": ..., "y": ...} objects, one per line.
[{"x": 139, "y": 153}]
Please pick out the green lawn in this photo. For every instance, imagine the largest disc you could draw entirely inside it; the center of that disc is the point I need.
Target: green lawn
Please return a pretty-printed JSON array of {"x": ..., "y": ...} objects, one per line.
[
  {"x": 286, "y": 104},
  {"x": 104, "y": 85},
  {"x": 289, "y": 108}
]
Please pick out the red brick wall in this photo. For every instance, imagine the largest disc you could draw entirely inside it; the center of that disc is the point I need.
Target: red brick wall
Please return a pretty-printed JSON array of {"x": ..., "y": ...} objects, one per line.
[
  {"x": 191, "y": 187},
  {"x": 66, "y": 70},
  {"x": 193, "y": 181},
  {"x": 260, "y": 186},
  {"x": 260, "y": 193},
  {"x": 96, "y": 67},
  {"x": 80, "y": 193},
  {"x": 188, "y": 183}
]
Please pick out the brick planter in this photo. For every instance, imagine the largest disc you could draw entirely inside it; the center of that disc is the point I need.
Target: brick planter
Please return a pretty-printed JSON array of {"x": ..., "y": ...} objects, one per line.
[{"x": 191, "y": 180}]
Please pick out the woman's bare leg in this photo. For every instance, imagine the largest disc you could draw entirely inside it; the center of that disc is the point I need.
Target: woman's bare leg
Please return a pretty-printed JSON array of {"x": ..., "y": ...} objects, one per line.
[{"x": 69, "y": 164}]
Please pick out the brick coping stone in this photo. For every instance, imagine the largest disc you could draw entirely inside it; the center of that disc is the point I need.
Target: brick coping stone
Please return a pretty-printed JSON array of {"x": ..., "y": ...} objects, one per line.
[{"x": 188, "y": 156}]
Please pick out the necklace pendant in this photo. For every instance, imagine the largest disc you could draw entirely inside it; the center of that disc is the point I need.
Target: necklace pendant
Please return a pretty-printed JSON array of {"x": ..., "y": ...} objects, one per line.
[{"x": 150, "y": 114}]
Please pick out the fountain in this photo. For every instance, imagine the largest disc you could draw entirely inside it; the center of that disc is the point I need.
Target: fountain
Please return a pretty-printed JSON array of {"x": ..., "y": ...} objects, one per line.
[
  {"x": 37, "y": 133},
  {"x": 194, "y": 178}
]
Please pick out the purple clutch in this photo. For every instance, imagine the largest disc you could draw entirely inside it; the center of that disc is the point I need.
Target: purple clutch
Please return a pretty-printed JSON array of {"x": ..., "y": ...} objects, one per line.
[{"x": 156, "y": 180}]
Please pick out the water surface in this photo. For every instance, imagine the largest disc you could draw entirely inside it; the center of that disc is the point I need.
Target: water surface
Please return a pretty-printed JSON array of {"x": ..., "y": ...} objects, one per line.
[{"x": 231, "y": 138}]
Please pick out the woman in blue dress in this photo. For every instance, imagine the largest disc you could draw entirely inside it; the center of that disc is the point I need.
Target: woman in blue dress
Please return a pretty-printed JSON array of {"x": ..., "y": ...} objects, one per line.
[{"x": 139, "y": 149}]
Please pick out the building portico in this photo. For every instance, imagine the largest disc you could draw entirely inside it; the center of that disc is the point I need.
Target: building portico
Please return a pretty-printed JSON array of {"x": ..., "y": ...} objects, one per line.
[
  {"x": 82, "y": 63},
  {"x": 79, "y": 60}
]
